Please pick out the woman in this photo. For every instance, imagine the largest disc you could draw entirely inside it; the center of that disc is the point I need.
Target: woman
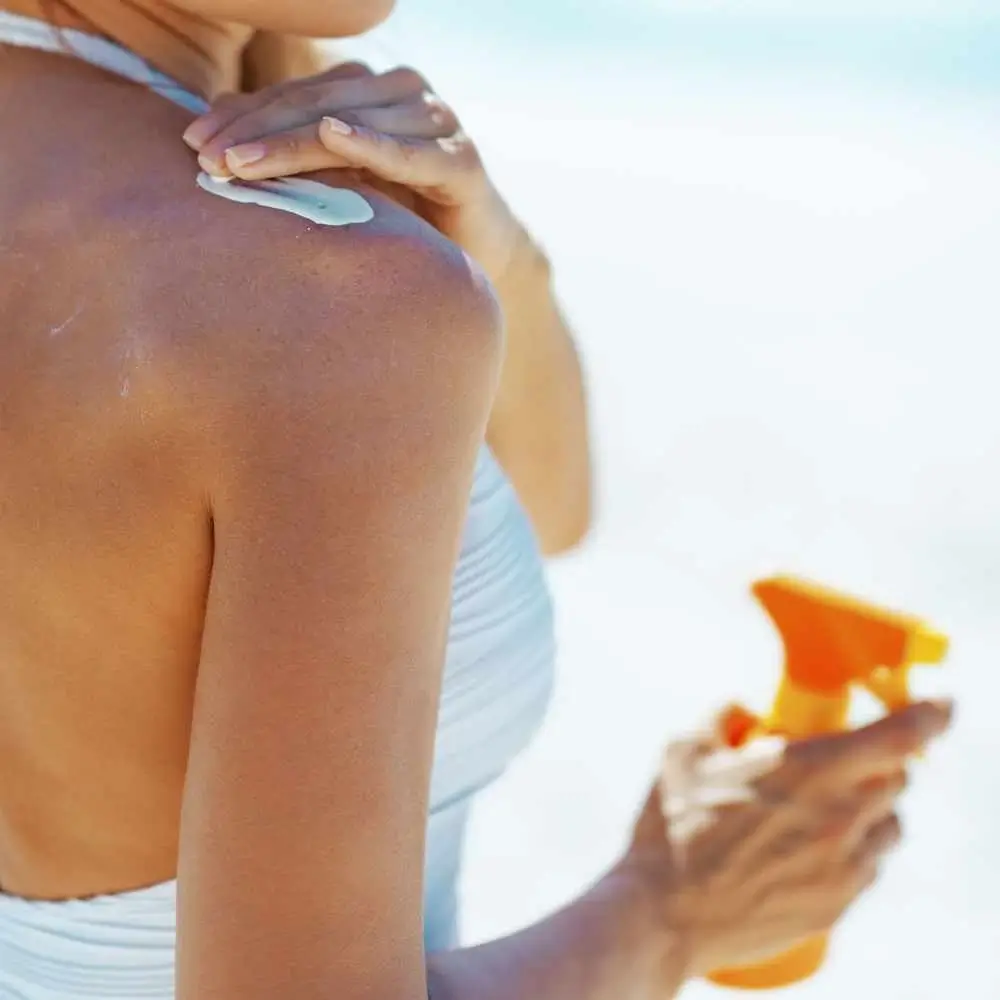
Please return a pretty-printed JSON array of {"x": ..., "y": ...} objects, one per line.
[{"x": 238, "y": 450}]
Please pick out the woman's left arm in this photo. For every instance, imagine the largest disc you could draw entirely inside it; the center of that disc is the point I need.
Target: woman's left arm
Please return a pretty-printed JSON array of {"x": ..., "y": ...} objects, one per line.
[
  {"x": 538, "y": 426},
  {"x": 393, "y": 128}
]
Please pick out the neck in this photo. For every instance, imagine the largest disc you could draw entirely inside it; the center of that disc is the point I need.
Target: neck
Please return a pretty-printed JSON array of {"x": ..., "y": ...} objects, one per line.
[{"x": 204, "y": 56}]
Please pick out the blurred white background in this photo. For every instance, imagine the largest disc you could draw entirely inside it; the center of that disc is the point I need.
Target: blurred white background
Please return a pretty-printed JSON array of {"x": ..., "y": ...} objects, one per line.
[{"x": 776, "y": 227}]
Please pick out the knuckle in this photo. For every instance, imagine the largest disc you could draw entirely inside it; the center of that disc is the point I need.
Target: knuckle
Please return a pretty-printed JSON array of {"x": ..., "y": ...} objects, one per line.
[
  {"x": 439, "y": 112},
  {"x": 861, "y": 811},
  {"x": 897, "y": 783},
  {"x": 352, "y": 67},
  {"x": 837, "y": 827},
  {"x": 294, "y": 145},
  {"x": 296, "y": 100},
  {"x": 879, "y": 839},
  {"x": 892, "y": 831},
  {"x": 463, "y": 152},
  {"x": 881, "y": 789},
  {"x": 409, "y": 152},
  {"x": 288, "y": 101},
  {"x": 865, "y": 876},
  {"x": 468, "y": 154},
  {"x": 408, "y": 78},
  {"x": 384, "y": 149},
  {"x": 447, "y": 121}
]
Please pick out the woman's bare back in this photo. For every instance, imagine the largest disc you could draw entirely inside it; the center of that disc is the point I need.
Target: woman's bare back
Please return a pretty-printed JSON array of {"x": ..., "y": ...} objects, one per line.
[
  {"x": 105, "y": 550},
  {"x": 116, "y": 286}
]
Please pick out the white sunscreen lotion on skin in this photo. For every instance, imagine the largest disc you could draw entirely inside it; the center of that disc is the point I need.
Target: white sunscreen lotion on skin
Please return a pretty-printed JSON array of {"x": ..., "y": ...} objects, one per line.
[{"x": 319, "y": 204}]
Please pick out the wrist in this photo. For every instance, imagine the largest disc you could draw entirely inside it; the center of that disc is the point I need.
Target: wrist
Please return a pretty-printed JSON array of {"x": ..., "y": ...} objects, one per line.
[
  {"x": 660, "y": 940},
  {"x": 487, "y": 229}
]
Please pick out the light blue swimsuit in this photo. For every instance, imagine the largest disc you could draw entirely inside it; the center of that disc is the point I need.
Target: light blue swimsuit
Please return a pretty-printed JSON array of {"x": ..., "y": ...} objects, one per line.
[{"x": 498, "y": 677}]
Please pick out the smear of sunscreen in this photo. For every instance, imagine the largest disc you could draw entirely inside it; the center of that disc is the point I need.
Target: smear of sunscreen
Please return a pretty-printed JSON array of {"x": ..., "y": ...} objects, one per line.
[{"x": 322, "y": 205}]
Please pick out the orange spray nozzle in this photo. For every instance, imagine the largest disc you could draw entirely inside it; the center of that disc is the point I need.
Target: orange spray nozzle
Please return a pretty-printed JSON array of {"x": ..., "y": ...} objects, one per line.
[{"x": 833, "y": 641}]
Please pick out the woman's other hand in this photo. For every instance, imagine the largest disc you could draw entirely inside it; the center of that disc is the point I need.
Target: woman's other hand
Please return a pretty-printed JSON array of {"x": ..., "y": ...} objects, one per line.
[
  {"x": 391, "y": 126},
  {"x": 752, "y": 851}
]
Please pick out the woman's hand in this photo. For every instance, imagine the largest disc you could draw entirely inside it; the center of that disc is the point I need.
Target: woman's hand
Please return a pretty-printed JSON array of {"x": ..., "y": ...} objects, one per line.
[
  {"x": 390, "y": 126},
  {"x": 754, "y": 850},
  {"x": 396, "y": 135}
]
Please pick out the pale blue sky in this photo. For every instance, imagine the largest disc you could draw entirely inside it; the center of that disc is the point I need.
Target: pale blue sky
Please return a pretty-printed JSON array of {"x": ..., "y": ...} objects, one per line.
[{"x": 924, "y": 42}]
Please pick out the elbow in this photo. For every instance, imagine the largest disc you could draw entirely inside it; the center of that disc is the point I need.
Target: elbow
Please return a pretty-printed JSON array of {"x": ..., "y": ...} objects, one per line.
[
  {"x": 565, "y": 510},
  {"x": 554, "y": 484},
  {"x": 563, "y": 544},
  {"x": 568, "y": 525},
  {"x": 565, "y": 538}
]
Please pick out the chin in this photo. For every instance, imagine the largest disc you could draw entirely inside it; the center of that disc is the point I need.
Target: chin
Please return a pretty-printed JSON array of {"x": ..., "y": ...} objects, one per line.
[{"x": 357, "y": 17}]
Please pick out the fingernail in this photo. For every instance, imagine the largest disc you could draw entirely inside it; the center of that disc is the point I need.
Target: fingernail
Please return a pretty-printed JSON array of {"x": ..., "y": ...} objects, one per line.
[
  {"x": 211, "y": 166},
  {"x": 243, "y": 156},
  {"x": 336, "y": 125},
  {"x": 197, "y": 134}
]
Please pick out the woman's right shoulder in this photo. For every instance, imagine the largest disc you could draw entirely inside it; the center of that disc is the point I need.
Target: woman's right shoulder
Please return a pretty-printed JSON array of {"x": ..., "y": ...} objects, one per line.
[
  {"x": 237, "y": 310},
  {"x": 288, "y": 281},
  {"x": 274, "y": 321},
  {"x": 221, "y": 281}
]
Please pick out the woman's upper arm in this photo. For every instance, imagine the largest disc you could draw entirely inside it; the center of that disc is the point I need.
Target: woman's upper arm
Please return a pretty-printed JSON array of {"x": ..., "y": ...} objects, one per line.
[{"x": 342, "y": 468}]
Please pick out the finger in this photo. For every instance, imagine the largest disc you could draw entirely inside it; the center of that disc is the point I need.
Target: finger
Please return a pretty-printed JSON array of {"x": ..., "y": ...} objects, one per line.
[
  {"x": 848, "y": 881},
  {"x": 447, "y": 169},
  {"x": 425, "y": 117},
  {"x": 872, "y": 803},
  {"x": 864, "y": 864},
  {"x": 224, "y": 109},
  {"x": 881, "y": 837},
  {"x": 877, "y": 749},
  {"x": 348, "y": 68},
  {"x": 846, "y": 819},
  {"x": 878, "y": 796},
  {"x": 297, "y": 151},
  {"x": 859, "y": 869},
  {"x": 306, "y": 103},
  {"x": 228, "y": 108}
]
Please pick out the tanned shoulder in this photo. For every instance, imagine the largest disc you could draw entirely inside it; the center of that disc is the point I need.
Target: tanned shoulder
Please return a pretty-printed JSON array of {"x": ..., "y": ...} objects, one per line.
[{"x": 277, "y": 322}]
